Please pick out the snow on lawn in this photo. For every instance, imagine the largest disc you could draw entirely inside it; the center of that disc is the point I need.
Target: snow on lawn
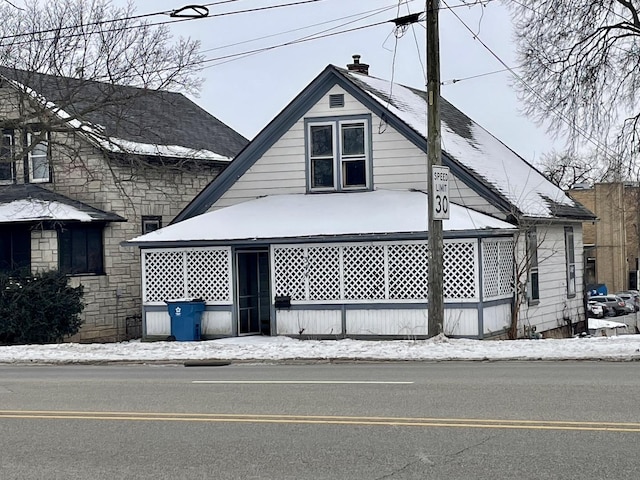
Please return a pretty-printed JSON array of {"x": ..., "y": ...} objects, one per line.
[{"x": 619, "y": 348}]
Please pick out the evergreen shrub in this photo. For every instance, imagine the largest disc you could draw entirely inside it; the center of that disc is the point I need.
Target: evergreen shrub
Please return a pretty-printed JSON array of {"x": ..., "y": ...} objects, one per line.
[{"x": 38, "y": 308}]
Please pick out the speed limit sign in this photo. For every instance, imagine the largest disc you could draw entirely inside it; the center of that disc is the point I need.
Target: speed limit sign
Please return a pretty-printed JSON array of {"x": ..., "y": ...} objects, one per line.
[{"x": 440, "y": 193}]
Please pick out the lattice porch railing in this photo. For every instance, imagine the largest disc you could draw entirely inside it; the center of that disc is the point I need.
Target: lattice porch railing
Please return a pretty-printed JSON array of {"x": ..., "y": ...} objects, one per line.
[
  {"x": 187, "y": 273},
  {"x": 372, "y": 272},
  {"x": 497, "y": 268}
]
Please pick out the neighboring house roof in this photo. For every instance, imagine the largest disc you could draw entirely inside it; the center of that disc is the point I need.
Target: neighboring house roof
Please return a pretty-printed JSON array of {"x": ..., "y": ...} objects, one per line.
[
  {"x": 30, "y": 203},
  {"x": 314, "y": 217},
  {"x": 132, "y": 120},
  {"x": 476, "y": 157}
]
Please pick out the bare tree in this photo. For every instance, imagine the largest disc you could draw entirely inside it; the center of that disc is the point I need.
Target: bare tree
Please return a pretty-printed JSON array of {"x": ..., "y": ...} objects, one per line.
[
  {"x": 580, "y": 70},
  {"x": 95, "y": 40},
  {"x": 568, "y": 169},
  {"x": 74, "y": 66}
]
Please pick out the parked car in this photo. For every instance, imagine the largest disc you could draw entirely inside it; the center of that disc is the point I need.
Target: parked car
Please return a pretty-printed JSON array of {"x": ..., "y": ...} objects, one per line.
[
  {"x": 595, "y": 309},
  {"x": 631, "y": 297},
  {"x": 614, "y": 304}
]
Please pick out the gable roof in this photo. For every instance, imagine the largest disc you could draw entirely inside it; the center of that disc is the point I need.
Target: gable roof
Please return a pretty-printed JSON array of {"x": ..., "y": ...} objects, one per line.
[
  {"x": 31, "y": 203},
  {"x": 303, "y": 217},
  {"x": 132, "y": 120},
  {"x": 476, "y": 157}
]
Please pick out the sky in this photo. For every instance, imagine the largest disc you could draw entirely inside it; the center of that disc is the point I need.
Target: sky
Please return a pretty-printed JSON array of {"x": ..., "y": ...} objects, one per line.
[
  {"x": 265, "y": 349},
  {"x": 247, "y": 92}
]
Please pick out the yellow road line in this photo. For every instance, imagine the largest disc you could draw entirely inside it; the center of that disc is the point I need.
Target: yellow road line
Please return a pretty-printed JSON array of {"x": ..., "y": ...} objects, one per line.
[
  {"x": 326, "y": 420},
  {"x": 295, "y": 382}
]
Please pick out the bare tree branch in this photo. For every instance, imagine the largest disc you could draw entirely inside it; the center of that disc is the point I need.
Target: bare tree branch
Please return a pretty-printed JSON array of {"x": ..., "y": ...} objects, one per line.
[{"x": 583, "y": 59}]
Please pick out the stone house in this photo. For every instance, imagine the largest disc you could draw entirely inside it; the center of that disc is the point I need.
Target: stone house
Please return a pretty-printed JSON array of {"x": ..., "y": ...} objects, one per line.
[
  {"x": 87, "y": 165},
  {"x": 612, "y": 244},
  {"x": 318, "y": 228}
]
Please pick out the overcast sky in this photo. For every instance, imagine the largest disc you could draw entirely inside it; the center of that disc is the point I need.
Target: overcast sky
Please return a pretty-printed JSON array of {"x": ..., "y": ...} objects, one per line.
[{"x": 247, "y": 92}]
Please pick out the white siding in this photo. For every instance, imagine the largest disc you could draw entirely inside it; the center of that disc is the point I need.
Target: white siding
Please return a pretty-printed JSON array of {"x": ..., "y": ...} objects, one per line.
[
  {"x": 314, "y": 322},
  {"x": 461, "y": 321},
  {"x": 496, "y": 318},
  {"x": 387, "y": 322},
  {"x": 397, "y": 163},
  {"x": 549, "y": 312},
  {"x": 217, "y": 323},
  {"x": 158, "y": 323}
]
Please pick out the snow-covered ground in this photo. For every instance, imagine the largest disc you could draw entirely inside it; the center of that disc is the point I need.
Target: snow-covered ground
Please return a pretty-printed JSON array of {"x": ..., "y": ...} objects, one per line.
[{"x": 618, "y": 348}]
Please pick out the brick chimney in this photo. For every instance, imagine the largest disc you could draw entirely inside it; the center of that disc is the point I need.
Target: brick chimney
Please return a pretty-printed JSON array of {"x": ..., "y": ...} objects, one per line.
[{"x": 358, "y": 67}]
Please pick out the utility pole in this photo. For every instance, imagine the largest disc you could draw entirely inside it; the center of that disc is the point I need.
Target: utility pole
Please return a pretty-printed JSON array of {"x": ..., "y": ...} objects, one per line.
[{"x": 436, "y": 303}]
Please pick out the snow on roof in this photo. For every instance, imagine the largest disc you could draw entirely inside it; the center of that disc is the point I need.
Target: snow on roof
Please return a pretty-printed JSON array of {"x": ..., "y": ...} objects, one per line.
[
  {"x": 32, "y": 209},
  {"x": 308, "y": 215},
  {"x": 119, "y": 145},
  {"x": 471, "y": 146},
  {"x": 99, "y": 135}
]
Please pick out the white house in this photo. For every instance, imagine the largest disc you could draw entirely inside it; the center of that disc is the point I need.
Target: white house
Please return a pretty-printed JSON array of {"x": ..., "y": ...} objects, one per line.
[{"x": 318, "y": 228}]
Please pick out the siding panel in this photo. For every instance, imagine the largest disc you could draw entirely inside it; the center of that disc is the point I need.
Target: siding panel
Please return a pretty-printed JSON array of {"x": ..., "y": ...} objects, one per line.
[
  {"x": 387, "y": 322},
  {"x": 314, "y": 322}
]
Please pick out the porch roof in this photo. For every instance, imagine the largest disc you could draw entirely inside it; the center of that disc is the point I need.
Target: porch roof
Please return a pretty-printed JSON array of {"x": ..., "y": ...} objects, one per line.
[
  {"x": 31, "y": 203},
  {"x": 319, "y": 215}
]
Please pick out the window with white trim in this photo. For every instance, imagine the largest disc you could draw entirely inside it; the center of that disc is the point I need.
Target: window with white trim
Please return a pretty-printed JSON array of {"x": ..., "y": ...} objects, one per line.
[
  {"x": 7, "y": 164},
  {"x": 38, "y": 162},
  {"x": 571, "y": 261},
  {"x": 338, "y": 153}
]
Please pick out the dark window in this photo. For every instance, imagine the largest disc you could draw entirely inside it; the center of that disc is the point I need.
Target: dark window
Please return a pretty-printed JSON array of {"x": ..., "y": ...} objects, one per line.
[
  {"x": 6, "y": 157},
  {"x": 151, "y": 223},
  {"x": 532, "y": 260},
  {"x": 322, "y": 156},
  {"x": 81, "y": 249},
  {"x": 571, "y": 261},
  {"x": 354, "y": 167},
  {"x": 339, "y": 155},
  {"x": 15, "y": 248}
]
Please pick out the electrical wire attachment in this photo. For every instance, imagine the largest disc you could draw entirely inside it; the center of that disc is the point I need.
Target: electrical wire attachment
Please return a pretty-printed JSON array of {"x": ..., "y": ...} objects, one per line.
[
  {"x": 406, "y": 20},
  {"x": 190, "y": 11}
]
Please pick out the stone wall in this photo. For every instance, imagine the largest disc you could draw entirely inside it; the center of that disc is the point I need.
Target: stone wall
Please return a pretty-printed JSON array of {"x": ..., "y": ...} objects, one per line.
[{"x": 130, "y": 189}]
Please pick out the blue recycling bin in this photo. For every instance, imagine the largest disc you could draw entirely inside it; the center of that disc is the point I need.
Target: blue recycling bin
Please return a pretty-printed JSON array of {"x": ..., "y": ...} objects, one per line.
[{"x": 185, "y": 319}]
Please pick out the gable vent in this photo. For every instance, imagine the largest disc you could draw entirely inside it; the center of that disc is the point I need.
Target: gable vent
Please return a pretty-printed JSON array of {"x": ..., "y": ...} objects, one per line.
[{"x": 336, "y": 101}]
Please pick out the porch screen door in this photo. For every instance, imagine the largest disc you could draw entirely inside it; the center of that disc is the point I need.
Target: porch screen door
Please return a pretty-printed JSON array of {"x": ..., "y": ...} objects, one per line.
[{"x": 253, "y": 293}]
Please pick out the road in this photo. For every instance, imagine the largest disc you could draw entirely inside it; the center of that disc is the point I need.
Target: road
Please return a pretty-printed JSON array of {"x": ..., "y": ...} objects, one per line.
[{"x": 453, "y": 420}]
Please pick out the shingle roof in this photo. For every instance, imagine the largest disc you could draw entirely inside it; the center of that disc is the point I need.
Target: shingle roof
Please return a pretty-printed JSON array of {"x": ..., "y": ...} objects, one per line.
[
  {"x": 476, "y": 157},
  {"x": 484, "y": 159},
  {"x": 133, "y": 114},
  {"x": 28, "y": 203}
]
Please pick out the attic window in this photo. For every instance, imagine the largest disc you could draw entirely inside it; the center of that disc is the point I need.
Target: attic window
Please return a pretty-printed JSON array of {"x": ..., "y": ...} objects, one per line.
[
  {"x": 336, "y": 100},
  {"x": 338, "y": 154}
]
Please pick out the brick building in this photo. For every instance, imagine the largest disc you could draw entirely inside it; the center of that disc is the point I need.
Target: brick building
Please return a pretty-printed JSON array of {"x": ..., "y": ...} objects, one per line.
[
  {"x": 611, "y": 245},
  {"x": 87, "y": 165}
]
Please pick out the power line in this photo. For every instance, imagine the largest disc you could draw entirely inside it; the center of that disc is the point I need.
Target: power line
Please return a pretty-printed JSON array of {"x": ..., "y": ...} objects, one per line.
[
  {"x": 361, "y": 15},
  {"x": 553, "y": 110},
  {"x": 286, "y": 44},
  {"x": 141, "y": 25}
]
